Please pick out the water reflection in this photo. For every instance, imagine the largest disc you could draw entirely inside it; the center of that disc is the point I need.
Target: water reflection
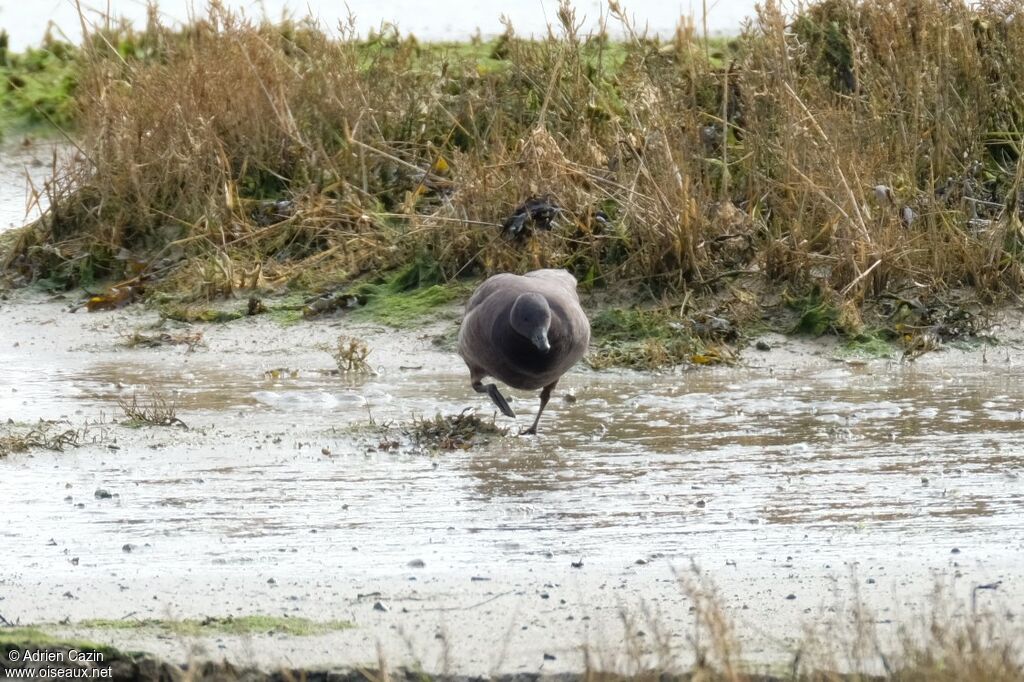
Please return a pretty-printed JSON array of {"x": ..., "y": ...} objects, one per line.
[{"x": 638, "y": 464}]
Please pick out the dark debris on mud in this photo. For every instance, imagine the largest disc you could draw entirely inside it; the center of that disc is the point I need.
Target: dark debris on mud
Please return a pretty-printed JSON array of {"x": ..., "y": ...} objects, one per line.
[
  {"x": 46, "y": 435},
  {"x": 536, "y": 213},
  {"x": 139, "y": 339},
  {"x": 461, "y": 431},
  {"x": 155, "y": 409}
]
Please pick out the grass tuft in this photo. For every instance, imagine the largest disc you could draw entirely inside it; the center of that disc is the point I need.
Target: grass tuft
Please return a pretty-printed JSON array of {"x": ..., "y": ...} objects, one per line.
[
  {"x": 350, "y": 354},
  {"x": 155, "y": 409},
  {"x": 460, "y": 431},
  {"x": 46, "y": 435}
]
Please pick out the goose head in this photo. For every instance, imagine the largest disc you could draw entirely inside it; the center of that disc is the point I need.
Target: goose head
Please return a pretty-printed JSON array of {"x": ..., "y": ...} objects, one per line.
[{"x": 530, "y": 317}]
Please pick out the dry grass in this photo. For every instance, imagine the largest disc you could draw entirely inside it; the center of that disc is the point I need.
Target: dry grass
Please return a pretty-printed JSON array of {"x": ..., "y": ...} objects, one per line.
[
  {"x": 953, "y": 641},
  {"x": 459, "y": 431},
  {"x": 350, "y": 354},
  {"x": 231, "y": 156}
]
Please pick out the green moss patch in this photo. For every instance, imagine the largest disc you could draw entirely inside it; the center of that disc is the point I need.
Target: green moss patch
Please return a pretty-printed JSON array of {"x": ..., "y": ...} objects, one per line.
[
  {"x": 823, "y": 312},
  {"x": 640, "y": 339},
  {"x": 242, "y": 625},
  {"x": 38, "y": 637},
  {"x": 407, "y": 308},
  {"x": 286, "y": 310},
  {"x": 867, "y": 347},
  {"x": 402, "y": 299}
]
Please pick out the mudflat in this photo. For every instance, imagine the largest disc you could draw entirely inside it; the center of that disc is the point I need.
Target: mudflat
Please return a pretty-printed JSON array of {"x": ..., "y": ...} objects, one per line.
[{"x": 795, "y": 484}]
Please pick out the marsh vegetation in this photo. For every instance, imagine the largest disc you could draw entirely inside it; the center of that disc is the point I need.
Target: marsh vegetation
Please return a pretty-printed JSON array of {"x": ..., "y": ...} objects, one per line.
[{"x": 863, "y": 158}]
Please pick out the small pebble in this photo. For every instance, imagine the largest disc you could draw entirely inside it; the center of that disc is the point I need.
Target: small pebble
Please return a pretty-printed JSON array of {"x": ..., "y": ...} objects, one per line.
[{"x": 381, "y": 606}]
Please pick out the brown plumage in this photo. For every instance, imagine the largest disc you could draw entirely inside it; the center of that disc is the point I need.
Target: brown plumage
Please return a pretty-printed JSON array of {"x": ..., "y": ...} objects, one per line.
[{"x": 525, "y": 331}]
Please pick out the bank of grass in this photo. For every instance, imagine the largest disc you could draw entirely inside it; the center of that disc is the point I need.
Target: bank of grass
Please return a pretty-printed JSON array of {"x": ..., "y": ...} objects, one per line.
[{"x": 856, "y": 151}]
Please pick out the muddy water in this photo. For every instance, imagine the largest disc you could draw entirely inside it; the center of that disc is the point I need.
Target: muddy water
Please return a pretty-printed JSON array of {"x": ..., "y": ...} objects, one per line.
[
  {"x": 786, "y": 481},
  {"x": 639, "y": 464}
]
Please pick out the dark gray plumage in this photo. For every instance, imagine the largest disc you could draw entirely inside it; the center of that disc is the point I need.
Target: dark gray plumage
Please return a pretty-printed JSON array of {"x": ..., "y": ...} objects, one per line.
[{"x": 525, "y": 331}]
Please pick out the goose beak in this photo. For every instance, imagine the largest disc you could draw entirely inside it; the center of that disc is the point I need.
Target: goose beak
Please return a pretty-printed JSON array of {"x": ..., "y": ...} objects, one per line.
[{"x": 540, "y": 340}]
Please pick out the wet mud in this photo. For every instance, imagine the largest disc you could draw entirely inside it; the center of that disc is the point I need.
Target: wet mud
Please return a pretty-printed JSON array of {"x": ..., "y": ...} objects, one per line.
[{"x": 796, "y": 484}]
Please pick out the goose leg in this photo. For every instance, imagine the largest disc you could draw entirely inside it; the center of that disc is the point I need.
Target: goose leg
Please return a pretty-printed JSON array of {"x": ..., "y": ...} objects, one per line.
[
  {"x": 545, "y": 395},
  {"x": 496, "y": 396}
]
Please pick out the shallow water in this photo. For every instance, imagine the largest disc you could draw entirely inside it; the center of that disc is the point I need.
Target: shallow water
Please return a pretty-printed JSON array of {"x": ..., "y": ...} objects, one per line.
[
  {"x": 784, "y": 482},
  {"x": 642, "y": 464}
]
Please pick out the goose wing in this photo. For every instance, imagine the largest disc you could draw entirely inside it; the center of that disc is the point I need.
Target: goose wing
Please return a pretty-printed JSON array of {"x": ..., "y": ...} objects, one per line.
[
  {"x": 554, "y": 277},
  {"x": 490, "y": 287}
]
